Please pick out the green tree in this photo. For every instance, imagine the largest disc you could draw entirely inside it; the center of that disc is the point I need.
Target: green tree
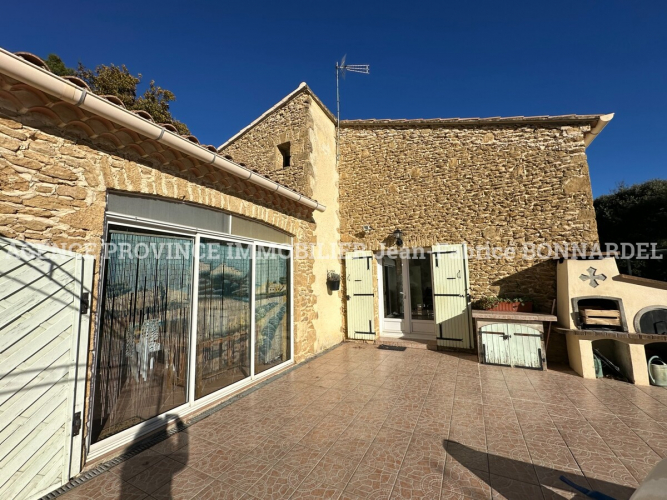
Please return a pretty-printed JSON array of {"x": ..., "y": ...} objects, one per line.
[
  {"x": 111, "y": 80},
  {"x": 156, "y": 101},
  {"x": 118, "y": 81},
  {"x": 57, "y": 66},
  {"x": 636, "y": 214}
]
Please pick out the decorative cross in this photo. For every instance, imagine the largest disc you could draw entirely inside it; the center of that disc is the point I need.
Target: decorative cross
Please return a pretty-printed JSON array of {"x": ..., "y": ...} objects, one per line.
[{"x": 592, "y": 277}]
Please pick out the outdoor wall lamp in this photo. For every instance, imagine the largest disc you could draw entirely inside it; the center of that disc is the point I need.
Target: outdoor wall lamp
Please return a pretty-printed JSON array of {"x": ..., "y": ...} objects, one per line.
[
  {"x": 398, "y": 237},
  {"x": 366, "y": 228}
]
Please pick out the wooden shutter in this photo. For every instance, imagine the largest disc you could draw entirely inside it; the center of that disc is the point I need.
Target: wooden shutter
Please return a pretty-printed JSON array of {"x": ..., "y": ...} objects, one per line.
[
  {"x": 44, "y": 316},
  {"x": 360, "y": 295},
  {"x": 451, "y": 296}
]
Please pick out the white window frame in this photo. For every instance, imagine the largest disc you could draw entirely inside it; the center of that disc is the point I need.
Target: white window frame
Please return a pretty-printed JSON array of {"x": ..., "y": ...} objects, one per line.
[{"x": 191, "y": 406}]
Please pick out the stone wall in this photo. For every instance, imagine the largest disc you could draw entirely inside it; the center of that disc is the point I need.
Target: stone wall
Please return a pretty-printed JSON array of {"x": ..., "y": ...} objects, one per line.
[
  {"x": 329, "y": 323},
  {"x": 495, "y": 185},
  {"x": 302, "y": 122},
  {"x": 53, "y": 185},
  {"x": 258, "y": 147}
]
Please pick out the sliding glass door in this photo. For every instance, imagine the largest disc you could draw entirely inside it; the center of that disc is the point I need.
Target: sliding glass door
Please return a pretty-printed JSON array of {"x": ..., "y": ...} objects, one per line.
[
  {"x": 223, "y": 315},
  {"x": 142, "y": 367},
  {"x": 272, "y": 308},
  {"x": 177, "y": 327}
]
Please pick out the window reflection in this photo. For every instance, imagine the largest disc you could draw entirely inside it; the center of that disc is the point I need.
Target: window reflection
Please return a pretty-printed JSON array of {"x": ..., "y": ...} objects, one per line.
[
  {"x": 223, "y": 316},
  {"x": 272, "y": 308}
]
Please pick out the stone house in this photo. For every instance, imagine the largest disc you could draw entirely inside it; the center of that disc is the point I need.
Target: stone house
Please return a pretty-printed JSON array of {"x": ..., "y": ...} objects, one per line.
[
  {"x": 81, "y": 173},
  {"x": 487, "y": 182}
]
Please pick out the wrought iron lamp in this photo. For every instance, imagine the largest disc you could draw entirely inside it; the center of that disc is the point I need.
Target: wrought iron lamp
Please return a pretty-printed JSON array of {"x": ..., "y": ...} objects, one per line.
[{"x": 398, "y": 237}]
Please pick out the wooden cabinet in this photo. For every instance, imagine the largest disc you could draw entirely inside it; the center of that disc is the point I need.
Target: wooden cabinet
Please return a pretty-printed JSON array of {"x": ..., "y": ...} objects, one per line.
[{"x": 511, "y": 339}]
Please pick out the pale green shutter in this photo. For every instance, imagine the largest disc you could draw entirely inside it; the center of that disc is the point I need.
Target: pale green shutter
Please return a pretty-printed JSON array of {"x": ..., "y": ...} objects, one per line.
[
  {"x": 451, "y": 296},
  {"x": 360, "y": 295}
]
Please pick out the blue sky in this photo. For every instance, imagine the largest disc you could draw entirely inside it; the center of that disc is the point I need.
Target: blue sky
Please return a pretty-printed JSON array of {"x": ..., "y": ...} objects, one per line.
[{"x": 228, "y": 62}]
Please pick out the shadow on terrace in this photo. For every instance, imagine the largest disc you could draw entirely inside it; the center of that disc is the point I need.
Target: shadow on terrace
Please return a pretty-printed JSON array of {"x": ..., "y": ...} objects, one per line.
[{"x": 526, "y": 478}]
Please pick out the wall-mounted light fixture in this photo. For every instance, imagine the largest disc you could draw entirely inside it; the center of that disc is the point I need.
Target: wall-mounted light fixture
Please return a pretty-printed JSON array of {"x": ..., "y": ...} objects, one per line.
[
  {"x": 398, "y": 237},
  {"x": 366, "y": 228},
  {"x": 333, "y": 280}
]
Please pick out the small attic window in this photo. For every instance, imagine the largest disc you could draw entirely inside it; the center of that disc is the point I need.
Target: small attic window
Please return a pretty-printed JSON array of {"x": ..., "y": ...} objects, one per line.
[{"x": 284, "y": 150}]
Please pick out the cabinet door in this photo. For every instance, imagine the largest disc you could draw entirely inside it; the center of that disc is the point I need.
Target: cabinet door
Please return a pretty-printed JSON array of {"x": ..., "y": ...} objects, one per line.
[
  {"x": 496, "y": 344},
  {"x": 525, "y": 346}
]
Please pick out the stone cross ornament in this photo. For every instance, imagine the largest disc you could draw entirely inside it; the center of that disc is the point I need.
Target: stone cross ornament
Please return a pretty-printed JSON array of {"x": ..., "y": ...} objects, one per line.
[{"x": 592, "y": 277}]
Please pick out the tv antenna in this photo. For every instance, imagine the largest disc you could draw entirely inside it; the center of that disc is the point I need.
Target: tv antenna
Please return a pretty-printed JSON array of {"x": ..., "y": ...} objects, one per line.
[{"x": 341, "y": 69}]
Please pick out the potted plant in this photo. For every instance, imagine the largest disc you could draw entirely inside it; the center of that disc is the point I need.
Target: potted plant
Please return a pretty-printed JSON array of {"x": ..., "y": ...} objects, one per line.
[
  {"x": 333, "y": 280},
  {"x": 516, "y": 304}
]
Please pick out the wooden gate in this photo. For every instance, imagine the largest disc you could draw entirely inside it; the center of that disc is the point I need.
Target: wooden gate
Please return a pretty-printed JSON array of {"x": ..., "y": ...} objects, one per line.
[
  {"x": 360, "y": 295},
  {"x": 451, "y": 297},
  {"x": 44, "y": 318},
  {"x": 512, "y": 344}
]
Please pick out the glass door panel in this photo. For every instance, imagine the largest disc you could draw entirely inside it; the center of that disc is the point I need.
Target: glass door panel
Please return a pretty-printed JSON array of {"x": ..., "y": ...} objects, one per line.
[
  {"x": 142, "y": 354},
  {"x": 421, "y": 289},
  {"x": 392, "y": 275},
  {"x": 272, "y": 308},
  {"x": 223, "y": 316}
]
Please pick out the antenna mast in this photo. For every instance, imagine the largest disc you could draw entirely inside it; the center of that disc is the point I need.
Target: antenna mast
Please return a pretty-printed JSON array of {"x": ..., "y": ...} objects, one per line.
[{"x": 341, "y": 68}]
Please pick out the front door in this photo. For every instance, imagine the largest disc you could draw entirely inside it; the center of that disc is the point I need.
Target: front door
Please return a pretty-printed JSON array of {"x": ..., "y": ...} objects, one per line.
[
  {"x": 407, "y": 297},
  {"x": 392, "y": 278},
  {"x": 427, "y": 296}
]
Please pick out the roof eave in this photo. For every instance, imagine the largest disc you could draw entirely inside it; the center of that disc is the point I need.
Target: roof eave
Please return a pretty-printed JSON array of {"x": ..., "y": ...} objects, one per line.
[
  {"x": 39, "y": 78},
  {"x": 602, "y": 122},
  {"x": 495, "y": 120}
]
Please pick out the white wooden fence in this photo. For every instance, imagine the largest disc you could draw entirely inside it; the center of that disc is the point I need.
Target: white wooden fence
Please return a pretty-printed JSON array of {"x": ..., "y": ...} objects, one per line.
[{"x": 44, "y": 318}]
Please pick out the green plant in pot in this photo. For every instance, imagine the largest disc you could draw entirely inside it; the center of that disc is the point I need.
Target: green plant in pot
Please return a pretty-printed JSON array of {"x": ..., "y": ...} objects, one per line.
[
  {"x": 333, "y": 280},
  {"x": 493, "y": 303}
]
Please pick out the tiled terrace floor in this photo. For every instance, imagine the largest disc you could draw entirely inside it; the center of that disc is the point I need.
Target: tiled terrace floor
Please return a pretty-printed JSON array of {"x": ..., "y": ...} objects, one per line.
[{"x": 360, "y": 422}]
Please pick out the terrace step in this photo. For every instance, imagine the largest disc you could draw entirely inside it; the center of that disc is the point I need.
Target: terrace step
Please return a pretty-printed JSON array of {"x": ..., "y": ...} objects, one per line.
[{"x": 412, "y": 344}]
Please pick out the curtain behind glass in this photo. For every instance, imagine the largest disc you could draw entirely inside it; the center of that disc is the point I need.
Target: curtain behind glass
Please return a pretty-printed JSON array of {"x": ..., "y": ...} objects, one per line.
[
  {"x": 272, "y": 308},
  {"x": 223, "y": 317},
  {"x": 392, "y": 273},
  {"x": 144, "y": 330},
  {"x": 421, "y": 290}
]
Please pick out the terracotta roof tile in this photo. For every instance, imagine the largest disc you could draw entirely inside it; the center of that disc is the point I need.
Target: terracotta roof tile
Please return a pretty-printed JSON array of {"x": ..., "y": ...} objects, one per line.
[
  {"x": 77, "y": 81},
  {"x": 169, "y": 127},
  {"x": 33, "y": 59},
  {"x": 114, "y": 99}
]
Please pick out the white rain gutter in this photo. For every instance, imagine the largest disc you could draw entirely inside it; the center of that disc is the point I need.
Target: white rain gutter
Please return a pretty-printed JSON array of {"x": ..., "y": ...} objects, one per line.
[
  {"x": 21, "y": 70},
  {"x": 602, "y": 123}
]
